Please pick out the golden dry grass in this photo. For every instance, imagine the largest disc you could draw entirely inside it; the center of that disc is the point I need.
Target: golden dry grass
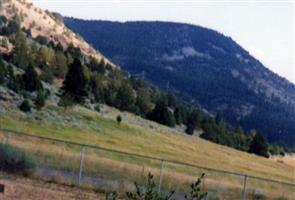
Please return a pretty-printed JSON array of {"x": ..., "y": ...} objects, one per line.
[{"x": 104, "y": 131}]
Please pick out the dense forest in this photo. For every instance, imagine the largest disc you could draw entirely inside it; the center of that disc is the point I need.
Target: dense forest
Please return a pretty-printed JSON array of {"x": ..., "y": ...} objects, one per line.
[{"x": 35, "y": 63}]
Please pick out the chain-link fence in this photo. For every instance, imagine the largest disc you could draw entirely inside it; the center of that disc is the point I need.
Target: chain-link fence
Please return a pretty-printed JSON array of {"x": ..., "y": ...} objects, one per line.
[{"x": 107, "y": 170}]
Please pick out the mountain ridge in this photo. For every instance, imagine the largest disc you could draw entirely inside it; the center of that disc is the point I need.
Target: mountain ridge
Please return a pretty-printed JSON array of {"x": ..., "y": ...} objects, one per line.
[{"x": 182, "y": 51}]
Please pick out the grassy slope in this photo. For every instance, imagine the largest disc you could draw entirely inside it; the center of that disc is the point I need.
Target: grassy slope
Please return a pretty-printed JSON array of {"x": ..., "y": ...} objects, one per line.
[{"x": 105, "y": 132}]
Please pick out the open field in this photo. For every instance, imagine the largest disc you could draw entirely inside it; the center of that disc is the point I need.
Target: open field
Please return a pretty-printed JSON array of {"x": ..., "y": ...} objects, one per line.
[{"x": 92, "y": 128}]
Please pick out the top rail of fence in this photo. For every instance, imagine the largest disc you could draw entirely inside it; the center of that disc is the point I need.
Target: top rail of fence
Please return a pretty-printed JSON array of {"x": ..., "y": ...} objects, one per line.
[{"x": 144, "y": 156}]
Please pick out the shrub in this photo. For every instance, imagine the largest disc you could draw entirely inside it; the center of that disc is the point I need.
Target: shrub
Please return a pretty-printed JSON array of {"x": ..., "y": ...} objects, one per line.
[
  {"x": 119, "y": 119},
  {"x": 25, "y": 106},
  {"x": 16, "y": 161},
  {"x": 97, "y": 108},
  {"x": 257, "y": 195},
  {"x": 149, "y": 191},
  {"x": 195, "y": 192}
]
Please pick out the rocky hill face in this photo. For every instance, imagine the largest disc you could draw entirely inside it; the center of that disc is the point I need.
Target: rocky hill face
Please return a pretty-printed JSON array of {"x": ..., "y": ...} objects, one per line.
[
  {"x": 204, "y": 67},
  {"x": 45, "y": 24}
]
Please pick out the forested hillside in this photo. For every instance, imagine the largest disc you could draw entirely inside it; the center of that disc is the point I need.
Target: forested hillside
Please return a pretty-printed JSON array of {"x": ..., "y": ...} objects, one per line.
[
  {"x": 203, "y": 67},
  {"x": 37, "y": 70}
]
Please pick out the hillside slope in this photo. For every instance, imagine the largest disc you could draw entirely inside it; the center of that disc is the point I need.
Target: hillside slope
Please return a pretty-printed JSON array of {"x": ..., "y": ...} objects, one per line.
[
  {"x": 43, "y": 23},
  {"x": 205, "y": 67}
]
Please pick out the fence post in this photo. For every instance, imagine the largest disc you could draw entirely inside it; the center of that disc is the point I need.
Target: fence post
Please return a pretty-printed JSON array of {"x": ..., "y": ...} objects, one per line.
[
  {"x": 161, "y": 175},
  {"x": 81, "y": 165},
  {"x": 244, "y": 188}
]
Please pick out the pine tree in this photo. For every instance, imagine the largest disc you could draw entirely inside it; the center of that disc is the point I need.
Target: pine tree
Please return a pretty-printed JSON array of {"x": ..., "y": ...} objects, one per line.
[
  {"x": 162, "y": 114},
  {"x": 76, "y": 82},
  {"x": 31, "y": 80},
  {"x": 259, "y": 145},
  {"x": 40, "y": 99}
]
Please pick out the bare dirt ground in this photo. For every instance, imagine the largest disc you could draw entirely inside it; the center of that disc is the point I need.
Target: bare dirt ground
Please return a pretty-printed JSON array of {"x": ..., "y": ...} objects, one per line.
[
  {"x": 287, "y": 160},
  {"x": 28, "y": 189}
]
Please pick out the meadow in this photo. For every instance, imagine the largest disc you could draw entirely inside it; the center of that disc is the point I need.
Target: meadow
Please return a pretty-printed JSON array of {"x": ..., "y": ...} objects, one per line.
[{"x": 146, "y": 138}]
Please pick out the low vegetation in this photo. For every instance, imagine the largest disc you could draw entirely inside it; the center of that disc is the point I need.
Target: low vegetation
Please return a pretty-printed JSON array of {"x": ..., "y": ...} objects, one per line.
[
  {"x": 16, "y": 161},
  {"x": 150, "y": 191}
]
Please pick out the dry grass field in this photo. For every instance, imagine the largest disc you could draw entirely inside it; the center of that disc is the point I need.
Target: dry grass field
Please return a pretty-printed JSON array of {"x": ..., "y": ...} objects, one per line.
[
  {"x": 150, "y": 139},
  {"x": 17, "y": 188}
]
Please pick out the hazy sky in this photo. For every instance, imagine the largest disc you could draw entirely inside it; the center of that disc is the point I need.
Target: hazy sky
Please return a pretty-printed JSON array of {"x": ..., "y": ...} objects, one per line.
[{"x": 264, "y": 28}]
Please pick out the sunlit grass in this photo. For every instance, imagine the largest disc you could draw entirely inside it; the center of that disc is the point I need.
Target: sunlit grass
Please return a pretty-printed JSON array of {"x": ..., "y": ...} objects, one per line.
[{"x": 106, "y": 132}]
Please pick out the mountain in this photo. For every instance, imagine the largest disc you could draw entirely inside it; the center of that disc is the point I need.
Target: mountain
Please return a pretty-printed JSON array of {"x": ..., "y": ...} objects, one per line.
[{"x": 202, "y": 66}]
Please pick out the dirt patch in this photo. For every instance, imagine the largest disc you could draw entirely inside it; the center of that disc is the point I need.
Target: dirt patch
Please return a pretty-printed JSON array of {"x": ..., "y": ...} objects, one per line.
[{"x": 24, "y": 189}]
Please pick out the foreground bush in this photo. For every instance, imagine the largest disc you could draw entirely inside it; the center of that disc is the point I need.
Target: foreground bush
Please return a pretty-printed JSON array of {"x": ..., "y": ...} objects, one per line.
[
  {"x": 16, "y": 161},
  {"x": 149, "y": 191}
]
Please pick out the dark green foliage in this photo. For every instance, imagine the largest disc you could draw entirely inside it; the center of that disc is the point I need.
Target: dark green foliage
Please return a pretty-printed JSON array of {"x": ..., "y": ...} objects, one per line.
[
  {"x": 147, "y": 192},
  {"x": 97, "y": 108},
  {"x": 15, "y": 161},
  {"x": 97, "y": 67},
  {"x": 125, "y": 98},
  {"x": 74, "y": 52},
  {"x": 47, "y": 75},
  {"x": 66, "y": 101},
  {"x": 162, "y": 114},
  {"x": 143, "y": 102},
  {"x": 41, "y": 40},
  {"x": 25, "y": 106},
  {"x": 119, "y": 119},
  {"x": 3, "y": 72},
  {"x": 40, "y": 99},
  {"x": 259, "y": 146},
  {"x": 21, "y": 51},
  {"x": 193, "y": 121},
  {"x": 12, "y": 27},
  {"x": 31, "y": 80},
  {"x": 76, "y": 82},
  {"x": 196, "y": 193}
]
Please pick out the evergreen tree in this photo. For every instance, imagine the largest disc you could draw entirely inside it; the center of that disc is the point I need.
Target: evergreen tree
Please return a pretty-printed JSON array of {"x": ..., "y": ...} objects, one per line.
[
  {"x": 259, "y": 145},
  {"x": 21, "y": 51},
  {"x": 162, "y": 114},
  {"x": 31, "y": 80},
  {"x": 193, "y": 121},
  {"x": 125, "y": 97},
  {"x": 40, "y": 99},
  {"x": 76, "y": 82},
  {"x": 143, "y": 101}
]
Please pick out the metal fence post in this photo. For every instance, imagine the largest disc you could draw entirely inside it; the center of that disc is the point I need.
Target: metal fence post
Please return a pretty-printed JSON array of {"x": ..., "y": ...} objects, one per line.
[
  {"x": 81, "y": 165},
  {"x": 161, "y": 175},
  {"x": 244, "y": 188}
]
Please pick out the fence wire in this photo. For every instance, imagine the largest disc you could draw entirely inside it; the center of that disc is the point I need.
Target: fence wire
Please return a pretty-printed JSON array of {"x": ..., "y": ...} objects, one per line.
[{"x": 108, "y": 170}]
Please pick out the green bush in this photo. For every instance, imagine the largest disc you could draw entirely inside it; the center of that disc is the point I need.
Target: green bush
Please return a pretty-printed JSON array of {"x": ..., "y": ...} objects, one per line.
[
  {"x": 25, "y": 106},
  {"x": 119, "y": 119},
  {"x": 16, "y": 161}
]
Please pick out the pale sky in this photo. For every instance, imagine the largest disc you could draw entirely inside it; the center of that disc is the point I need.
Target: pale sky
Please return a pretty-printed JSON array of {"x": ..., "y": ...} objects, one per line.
[{"x": 264, "y": 28}]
